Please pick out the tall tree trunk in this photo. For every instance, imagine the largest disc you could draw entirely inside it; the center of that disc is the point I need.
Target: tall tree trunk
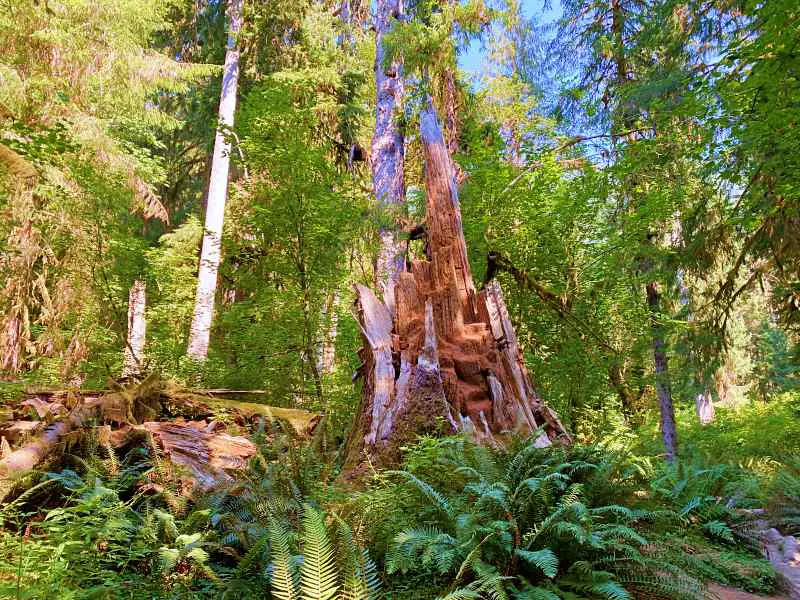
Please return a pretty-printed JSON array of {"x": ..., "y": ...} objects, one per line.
[
  {"x": 137, "y": 330},
  {"x": 326, "y": 347},
  {"x": 450, "y": 360},
  {"x": 387, "y": 151},
  {"x": 211, "y": 251},
  {"x": 624, "y": 122},
  {"x": 663, "y": 391}
]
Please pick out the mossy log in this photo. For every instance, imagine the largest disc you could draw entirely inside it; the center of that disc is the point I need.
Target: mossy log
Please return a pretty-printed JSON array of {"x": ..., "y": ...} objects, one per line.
[{"x": 147, "y": 404}]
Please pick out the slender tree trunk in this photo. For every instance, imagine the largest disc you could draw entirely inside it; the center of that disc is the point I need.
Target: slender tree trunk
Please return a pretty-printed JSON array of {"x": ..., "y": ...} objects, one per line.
[
  {"x": 663, "y": 391},
  {"x": 387, "y": 152},
  {"x": 211, "y": 251},
  {"x": 616, "y": 375},
  {"x": 137, "y": 330},
  {"x": 326, "y": 347},
  {"x": 450, "y": 360},
  {"x": 624, "y": 122},
  {"x": 452, "y": 124}
]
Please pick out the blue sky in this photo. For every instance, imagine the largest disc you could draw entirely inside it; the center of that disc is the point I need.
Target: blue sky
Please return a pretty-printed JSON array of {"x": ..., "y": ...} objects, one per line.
[{"x": 471, "y": 61}]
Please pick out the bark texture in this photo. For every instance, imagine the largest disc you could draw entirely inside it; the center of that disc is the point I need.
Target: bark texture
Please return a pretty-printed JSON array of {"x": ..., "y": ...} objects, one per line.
[
  {"x": 133, "y": 358},
  {"x": 663, "y": 391},
  {"x": 387, "y": 150},
  {"x": 326, "y": 347},
  {"x": 449, "y": 360},
  {"x": 211, "y": 251}
]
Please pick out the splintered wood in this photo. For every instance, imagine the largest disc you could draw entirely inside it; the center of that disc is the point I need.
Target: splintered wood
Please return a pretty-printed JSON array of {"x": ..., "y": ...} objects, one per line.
[
  {"x": 207, "y": 456},
  {"x": 183, "y": 425},
  {"x": 447, "y": 359}
]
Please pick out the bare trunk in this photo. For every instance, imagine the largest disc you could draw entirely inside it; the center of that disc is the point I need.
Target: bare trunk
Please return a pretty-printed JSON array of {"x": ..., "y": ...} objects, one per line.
[
  {"x": 387, "y": 151},
  {"x": 663, "y": 391},
  {"x": 211, "y": 252},
  {"x": 326, "y": 347},
  {"x": 450, "y": 360},
  {"x": 627, "y": 399},
  {"x": 137, "y": 328}
]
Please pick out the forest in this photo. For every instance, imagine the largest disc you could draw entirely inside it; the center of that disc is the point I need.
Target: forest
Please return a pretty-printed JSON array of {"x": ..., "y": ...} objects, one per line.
[{"x": 434, "y": 299}]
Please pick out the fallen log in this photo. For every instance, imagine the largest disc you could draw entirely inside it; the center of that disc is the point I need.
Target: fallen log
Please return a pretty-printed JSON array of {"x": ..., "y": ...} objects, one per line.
[
  {"x": 30, "y": 455},
  {"x": 206, "y": 456}
]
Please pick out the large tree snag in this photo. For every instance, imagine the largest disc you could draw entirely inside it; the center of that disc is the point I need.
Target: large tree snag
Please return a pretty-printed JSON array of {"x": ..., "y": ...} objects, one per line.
[
  {"x": 386, "y": 159},
  {"x": 133, "y": 358},
  {"x": 449, "y": 361}
]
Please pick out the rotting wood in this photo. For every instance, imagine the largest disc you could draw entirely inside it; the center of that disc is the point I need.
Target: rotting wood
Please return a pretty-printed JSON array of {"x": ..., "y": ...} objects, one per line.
[
  {"x": 206, "y": 456},
  {"x": 142, "y": 403},
  {"x": 449, "y": 360}
]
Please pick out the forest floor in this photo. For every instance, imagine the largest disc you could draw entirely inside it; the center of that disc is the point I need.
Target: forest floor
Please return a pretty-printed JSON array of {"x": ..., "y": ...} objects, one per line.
[{"x": 728, "y": 593}]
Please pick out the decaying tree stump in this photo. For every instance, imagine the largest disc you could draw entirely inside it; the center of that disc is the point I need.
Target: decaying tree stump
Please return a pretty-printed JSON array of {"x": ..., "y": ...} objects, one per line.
[{"x": 449, "y": 360}]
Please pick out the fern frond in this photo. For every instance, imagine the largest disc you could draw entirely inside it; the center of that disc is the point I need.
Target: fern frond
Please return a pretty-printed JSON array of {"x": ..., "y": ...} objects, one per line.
[
  {"x": 284, "y": 575},
  {"x": 544, "y": 560},
  {"x": 435, "y": 498},
  {"x": 318, "y": 575}
]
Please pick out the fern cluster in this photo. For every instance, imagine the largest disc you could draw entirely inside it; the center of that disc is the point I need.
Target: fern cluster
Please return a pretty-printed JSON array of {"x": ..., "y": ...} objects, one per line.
[{"x": 556, "y": 523}]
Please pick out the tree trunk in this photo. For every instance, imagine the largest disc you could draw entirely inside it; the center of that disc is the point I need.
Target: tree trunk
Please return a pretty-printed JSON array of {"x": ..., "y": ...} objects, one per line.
[
  {"x": 137, "y": 328},
  {"x": 627, "y": 398},
  {"x": 326, "y": 347},
  {"x": 387, "y": 152},
  {"x": 450, "y": 360},
  {"x": 663, "y": 391},
  {"x": 217, "y": 195}
]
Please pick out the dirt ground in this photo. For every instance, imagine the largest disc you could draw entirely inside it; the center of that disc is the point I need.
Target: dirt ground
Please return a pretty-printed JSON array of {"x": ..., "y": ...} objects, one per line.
[{"x": 726, "y": 593}]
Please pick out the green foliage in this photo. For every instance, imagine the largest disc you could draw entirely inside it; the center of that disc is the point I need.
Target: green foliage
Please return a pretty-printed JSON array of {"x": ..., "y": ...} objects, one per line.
[
  {"x": 756, "y": 437},
  {"x": 544, "y": 523}
]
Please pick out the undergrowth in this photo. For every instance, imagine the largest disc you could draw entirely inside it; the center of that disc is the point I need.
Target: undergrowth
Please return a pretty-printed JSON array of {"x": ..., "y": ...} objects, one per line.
[{"x": 458, "y": 520}]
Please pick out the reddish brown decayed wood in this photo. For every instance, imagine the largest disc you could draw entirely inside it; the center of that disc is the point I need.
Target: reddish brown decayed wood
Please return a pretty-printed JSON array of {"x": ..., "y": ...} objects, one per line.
[{"x": 450, "y": 352}]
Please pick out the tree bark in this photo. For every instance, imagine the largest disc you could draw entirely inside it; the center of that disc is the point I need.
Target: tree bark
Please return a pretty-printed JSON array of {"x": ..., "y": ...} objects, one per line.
[
  {"x": 663, "y": 391},
  {"x": 211, "y": 251},
  {"x": 450, "y": 360},
  {"x": 326, "y": 347},
  {"x": 137, "y": 329},
  {"x": 387, "y": 152}
]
